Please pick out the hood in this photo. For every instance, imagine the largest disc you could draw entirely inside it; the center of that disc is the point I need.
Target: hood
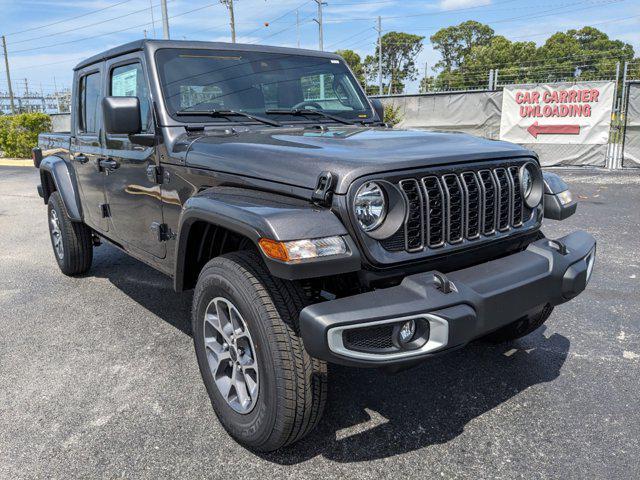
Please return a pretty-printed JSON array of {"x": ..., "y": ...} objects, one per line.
[{"x": 297, "y": 156}]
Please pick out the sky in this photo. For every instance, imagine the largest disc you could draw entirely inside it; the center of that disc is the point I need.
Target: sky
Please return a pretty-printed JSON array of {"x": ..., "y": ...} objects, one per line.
[{"x": 46, "y": 38}]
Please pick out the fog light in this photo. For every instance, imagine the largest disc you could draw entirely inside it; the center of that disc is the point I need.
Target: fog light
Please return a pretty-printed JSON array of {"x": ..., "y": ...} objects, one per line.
[{"x": 407, "y": 331}]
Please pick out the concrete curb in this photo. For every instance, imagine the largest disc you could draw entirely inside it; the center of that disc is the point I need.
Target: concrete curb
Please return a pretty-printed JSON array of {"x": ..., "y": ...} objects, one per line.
[{"x": 15, "y": 162}]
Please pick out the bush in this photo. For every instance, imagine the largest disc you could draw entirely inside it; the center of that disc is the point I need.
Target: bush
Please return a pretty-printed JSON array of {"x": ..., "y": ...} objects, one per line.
[
  {"x": 392, "y": 114},
  {"x": 19, "y": 133}
]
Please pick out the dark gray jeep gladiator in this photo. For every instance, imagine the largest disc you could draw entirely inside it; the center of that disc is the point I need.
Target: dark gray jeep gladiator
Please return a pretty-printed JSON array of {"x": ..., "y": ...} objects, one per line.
[{"x": 311, "y": 232}]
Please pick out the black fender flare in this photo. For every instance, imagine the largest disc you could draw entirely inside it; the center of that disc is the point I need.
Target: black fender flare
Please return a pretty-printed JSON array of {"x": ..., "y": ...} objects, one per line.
[
  {"x": 256, "y": 215},
  {"x": 65, "y": 182}
]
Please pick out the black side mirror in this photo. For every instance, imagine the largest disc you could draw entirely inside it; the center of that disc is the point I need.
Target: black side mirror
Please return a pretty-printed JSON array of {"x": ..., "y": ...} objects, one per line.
[
  {"x": 378, "y": 107},
  {"x": 121, "y": 115}
]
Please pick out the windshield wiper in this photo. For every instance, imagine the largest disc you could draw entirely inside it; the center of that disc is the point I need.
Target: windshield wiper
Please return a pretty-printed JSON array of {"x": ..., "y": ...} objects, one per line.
[
  {"x": 226, "y": 113},
  {"x": 301, "y": 112}
]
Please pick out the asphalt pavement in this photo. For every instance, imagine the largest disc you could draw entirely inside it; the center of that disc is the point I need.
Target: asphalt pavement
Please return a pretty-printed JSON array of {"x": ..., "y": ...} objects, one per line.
[{"x": 98, "y": 377}]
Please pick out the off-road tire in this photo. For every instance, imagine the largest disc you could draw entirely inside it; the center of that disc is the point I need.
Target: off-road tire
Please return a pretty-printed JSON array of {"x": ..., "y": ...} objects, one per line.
[
  {"x": 77, "y": 252},
  {"x": 521, "y": 327},
  {"x": 293, "y": 386}
]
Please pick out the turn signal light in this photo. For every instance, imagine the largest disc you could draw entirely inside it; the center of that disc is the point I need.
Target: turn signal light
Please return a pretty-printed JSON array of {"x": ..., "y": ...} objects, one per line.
[
  {"x": 274, "y": 249},
  {"x": 303, "y": 249}
]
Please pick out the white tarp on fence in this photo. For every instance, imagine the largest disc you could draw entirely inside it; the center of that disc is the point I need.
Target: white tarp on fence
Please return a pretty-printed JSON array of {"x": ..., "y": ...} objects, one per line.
[
  {"x": 631, "y": 152},
  {"x": 479, "y": 113}
]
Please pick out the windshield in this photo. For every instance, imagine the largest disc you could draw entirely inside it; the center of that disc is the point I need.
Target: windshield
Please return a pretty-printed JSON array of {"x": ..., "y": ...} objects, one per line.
[{"x": 258, "y": 83}]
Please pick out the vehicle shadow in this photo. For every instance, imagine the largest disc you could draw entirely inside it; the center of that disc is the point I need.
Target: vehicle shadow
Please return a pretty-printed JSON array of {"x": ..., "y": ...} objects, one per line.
[{"x": 369, "y": 414}]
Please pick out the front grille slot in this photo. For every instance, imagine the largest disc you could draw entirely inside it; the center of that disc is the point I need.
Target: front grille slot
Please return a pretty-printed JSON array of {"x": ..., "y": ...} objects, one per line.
[
  {"x": 455, "y": 208},
  {"x": 435, "y": 211},
  {"x": 458, "y": 207},
  {"x": 517, "y": 212},
  {"x": 413, "y": 227},
  {"x": 504, "y": 199},
  {"x": 489, "y": 197},
  {"x": 473, "y": 205}
]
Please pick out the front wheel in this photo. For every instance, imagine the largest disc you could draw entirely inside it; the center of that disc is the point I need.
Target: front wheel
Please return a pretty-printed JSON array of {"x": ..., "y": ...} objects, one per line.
[
  {"x": 71, "y": 241},
  {"x": 264, "y": 387}
]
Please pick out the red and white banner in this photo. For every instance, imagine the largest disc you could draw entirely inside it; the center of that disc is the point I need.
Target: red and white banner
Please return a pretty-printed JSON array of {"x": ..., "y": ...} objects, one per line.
[{"x": 560, "y": 113}]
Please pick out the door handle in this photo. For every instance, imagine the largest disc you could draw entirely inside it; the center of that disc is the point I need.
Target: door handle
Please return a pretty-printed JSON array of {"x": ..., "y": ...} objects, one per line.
[
  {"x": 107, "y": 164},
  {"x": 81, "y": 158}
]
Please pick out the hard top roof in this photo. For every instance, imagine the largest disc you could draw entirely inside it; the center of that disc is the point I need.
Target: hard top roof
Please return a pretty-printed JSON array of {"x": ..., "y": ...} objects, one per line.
[{"x": 138, "y": 45}]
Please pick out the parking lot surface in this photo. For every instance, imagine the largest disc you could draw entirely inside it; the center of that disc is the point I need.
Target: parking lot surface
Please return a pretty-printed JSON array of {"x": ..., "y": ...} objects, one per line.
[{"x": 98, "y": 378}]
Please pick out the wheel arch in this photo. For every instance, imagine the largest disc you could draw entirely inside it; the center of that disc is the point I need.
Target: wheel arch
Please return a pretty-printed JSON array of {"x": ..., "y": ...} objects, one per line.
[
  {"x": 246, "y": 216},
  {"x": 57, "y": 175}
]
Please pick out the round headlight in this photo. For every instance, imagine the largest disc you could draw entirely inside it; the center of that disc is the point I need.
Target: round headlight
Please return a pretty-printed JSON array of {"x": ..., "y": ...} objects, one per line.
[
  {"x": 531, "y": 184},
  {"x": 370, "y": 206}
]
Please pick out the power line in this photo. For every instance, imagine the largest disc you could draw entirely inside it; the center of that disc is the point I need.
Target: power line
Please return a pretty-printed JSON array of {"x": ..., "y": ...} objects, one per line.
[
  {"x": 68, "y": 19},
  {"x": 110, "y": 33},
  {"x": 87, "y": 25}
]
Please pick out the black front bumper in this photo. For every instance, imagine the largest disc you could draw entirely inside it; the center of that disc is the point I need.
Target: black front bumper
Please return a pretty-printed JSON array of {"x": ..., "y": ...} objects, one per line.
[{"x": 484, "y": 298}]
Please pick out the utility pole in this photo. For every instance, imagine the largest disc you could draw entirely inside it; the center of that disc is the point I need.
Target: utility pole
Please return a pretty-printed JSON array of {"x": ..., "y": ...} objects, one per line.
[
  {"x": 165, "y": 20},
  {"x": 379, "y": 29},
  {"x": 426, "y": 77},
  {"x": 490, "y": 86},
  {"x": 153, "y": 20},
  {"x": 26, "y": 87},
  {"x": 298, "y": 27},
  {"x": 6, "y": 65},
  {"x": 319, "y": 22},
  {"x": 495, "y": 79},
  {"x": 55, "y": 92},
  {"x": 232, "y": 20}
]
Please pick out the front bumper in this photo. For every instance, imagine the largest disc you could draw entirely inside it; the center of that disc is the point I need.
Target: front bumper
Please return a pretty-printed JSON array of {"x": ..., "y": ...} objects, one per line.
[{"x": 483, "y": 299}]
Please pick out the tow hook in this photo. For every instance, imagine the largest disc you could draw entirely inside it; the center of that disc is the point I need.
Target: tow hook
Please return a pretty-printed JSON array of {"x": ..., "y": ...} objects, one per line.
[{"x": 443, "y": 284}]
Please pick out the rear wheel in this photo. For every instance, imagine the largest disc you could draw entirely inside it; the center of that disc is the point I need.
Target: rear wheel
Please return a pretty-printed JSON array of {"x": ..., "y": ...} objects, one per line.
[
  {"x": 264, "y": 387},
  {"x": 71, "y": 241},
  {"x": 521, "y": 327}
]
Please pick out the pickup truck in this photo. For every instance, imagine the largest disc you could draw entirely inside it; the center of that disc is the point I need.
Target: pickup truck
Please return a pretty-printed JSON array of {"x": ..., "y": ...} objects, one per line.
[{"x": 311, "y": 232}]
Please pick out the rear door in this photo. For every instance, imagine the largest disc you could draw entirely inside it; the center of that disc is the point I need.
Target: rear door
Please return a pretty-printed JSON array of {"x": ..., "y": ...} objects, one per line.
[
  {"x": 86, "y": 145},
  {"x": 133, "y": 196}
]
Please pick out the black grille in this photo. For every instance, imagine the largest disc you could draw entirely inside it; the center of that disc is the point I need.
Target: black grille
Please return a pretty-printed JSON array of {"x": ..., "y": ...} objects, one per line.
[
  {"x": 504, "y": 195},
  {"x": 413, "y": 224},
  {"x": 517, "y": 196},
  {"x": 473, "y": 204},
  {"x": 369, "y": 339},
  {"x": 459, "y": 206},
  {"x": 435, "y": 211},
  {"x": 489, "y": 192}
]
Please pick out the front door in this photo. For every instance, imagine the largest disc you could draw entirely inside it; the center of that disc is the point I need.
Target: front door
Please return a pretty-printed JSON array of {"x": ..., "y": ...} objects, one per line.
[
  {"x": 86, "y": 146},
  {"x": 133, "y": 196}
]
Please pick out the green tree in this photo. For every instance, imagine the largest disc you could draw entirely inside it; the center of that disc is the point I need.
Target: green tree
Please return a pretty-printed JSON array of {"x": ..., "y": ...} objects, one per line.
[
  {"x": 455, "y": 43},
  {"x": 355, "y": 63},
  {"x": 399, "y": 52},
  {"x": 470, "y": 50}
]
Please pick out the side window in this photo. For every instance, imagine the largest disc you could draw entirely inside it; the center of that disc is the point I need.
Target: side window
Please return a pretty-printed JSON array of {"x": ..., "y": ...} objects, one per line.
[
  {"x": 128, "y": 81},
  {"x": 89, "y": 103}
]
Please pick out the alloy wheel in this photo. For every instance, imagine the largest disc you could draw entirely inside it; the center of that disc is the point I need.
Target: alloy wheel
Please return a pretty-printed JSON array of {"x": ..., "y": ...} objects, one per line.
[
  {"x": 231, "y": 355},
  {"x": 56, "y": 234}
]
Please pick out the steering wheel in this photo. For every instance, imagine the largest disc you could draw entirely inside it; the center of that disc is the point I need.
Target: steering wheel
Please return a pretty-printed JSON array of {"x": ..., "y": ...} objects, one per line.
[{"x": 302, "y": 105}]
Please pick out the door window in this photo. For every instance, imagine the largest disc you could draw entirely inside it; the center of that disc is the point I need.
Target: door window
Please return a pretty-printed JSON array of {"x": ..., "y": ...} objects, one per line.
[
  {"x": 89, "y": 103},
  {"x": 128, "y": 81}
]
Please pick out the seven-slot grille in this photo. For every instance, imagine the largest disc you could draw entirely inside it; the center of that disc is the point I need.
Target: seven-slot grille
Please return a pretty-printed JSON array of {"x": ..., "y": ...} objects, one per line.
[{"x": 453, "y": 207}]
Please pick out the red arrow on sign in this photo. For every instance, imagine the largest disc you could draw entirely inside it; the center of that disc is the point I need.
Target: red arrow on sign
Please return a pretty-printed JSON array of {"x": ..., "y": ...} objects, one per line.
[{"x": 534, "y": 129}]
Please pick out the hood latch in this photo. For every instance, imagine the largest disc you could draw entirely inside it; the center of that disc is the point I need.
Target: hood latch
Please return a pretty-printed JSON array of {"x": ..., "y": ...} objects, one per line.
[{"x": 324, "y": 189}]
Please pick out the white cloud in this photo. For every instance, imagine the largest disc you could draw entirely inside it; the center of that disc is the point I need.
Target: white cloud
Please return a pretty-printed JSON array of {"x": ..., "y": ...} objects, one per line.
[{"x": 456, "y": 4}]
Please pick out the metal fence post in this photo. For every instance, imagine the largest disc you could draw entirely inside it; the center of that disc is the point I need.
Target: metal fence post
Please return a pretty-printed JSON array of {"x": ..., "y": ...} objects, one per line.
[{"x": 622, "y": 113}]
